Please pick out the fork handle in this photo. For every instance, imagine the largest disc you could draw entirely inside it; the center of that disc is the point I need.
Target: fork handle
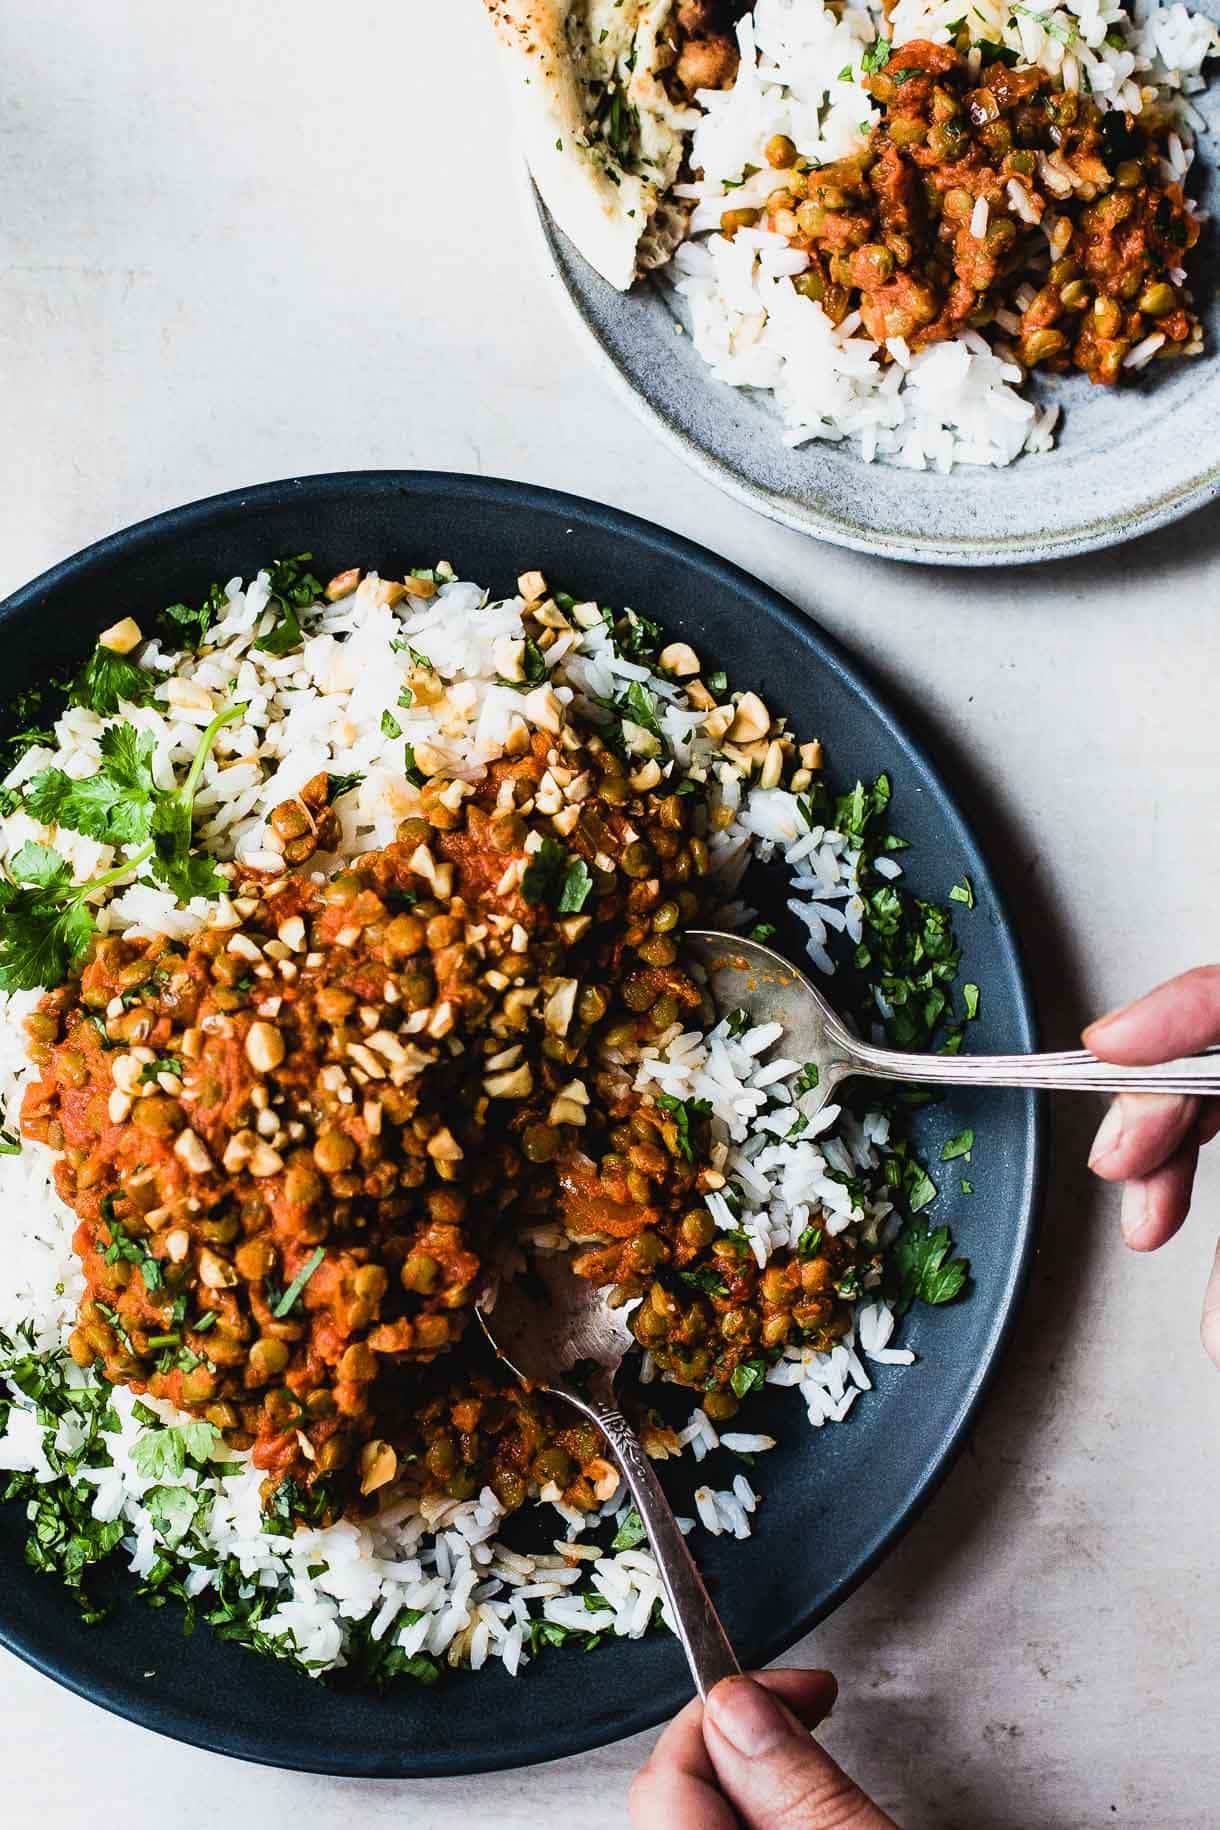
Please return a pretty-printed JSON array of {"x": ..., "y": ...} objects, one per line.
[
  {"x": 1073, "y": 1069},
  {"x": 704, "y": 1640}
]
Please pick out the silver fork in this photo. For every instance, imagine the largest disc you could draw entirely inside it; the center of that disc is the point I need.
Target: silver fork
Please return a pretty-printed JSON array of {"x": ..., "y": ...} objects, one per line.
[
  {"x": 545, "y": 1325},
  {"x": 745, "y": 974}
]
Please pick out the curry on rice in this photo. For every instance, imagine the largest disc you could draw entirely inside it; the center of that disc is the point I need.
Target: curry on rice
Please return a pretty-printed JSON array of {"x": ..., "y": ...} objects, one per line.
[{"x": 295, "y": 1141}]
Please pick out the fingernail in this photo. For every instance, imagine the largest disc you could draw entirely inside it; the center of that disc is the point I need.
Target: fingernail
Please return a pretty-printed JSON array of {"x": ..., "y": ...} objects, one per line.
[
  {"x": 1134, "y": 1209},
  {"x": 1103, "y": 1022},
  {"x": 1109, "y": 1135},
  {"x": 748, "y": 1716}
]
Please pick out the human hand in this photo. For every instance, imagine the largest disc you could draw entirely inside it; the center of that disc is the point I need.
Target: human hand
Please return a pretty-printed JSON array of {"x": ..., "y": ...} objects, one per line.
[
  {"x": 1151, "y": 1141},
  {"x": 746, "y": 1758}
]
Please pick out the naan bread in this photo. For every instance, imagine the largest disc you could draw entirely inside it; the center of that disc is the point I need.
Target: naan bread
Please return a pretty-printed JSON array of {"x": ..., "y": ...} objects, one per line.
[{"x": 603, "y": 138}]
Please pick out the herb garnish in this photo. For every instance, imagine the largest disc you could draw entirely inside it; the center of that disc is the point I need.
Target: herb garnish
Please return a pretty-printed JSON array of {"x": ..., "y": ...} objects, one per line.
[
  {"x": 107, "y": 680},
  {"x": 748, "y": 1377},
  {"x": 47, "y": 925},
  {"x": 556, "y": 877},
  {"x": 682, "y": 1111},
  {"x": 291, "y": 1295},
  {"x": 189, "y": 627},
  {"x": 337, "y": 785},
  {"x": 921, "y": 1265},
  {"x": 293, "y": 589}
]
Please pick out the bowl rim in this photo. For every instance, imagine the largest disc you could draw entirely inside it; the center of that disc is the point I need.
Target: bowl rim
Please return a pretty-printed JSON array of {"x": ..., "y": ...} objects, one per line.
[
  {"x": 1091, "y": 535},
  {"x": 469, "y": 490}
]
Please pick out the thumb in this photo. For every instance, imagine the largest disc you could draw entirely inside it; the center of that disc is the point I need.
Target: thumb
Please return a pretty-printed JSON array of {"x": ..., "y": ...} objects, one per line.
[{"x": 772, "y": 1770}]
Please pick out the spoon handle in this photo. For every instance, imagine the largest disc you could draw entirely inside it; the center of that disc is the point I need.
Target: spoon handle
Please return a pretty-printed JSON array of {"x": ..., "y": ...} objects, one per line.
[
  {"x": 1074, "y": 1069},
  {"x": 704, "y": 1639}
]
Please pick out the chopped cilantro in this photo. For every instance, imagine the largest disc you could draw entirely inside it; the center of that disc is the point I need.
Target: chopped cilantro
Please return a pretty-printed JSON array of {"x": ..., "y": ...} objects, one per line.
[
  {"x": 748, "y": 1377},
  {"x": 806, "y": 1080},
  {"x": 682, "y": 1111},
  {"x": 970, "y": 997},
  {"x": 630, "y": 1532},
  {"x": 555, "y": 877},
  {"x": 762, "y": 932},
  {"x": 808, "y": 1243},
  {"x": 390, "y": 726},
  {"x": 188, "y": 628},
  {"x": 922, "y": 1266},
  {"x": 338, "y": 785},
  {"x": 961, "y": 1145},
  {"x": 706, "y": 1279},
  {"x": 718, "y": 682},
  {"x": 162, "y": 1454},
  {"x": 293, "y": 589},
  {"x": 10, "y": 1143},
  {"x": 291, "y": 1296},
  {"x": 134, "y": 1252},
  {"x": 876, "y": 57},
  {"x": 963, "y": 892}
]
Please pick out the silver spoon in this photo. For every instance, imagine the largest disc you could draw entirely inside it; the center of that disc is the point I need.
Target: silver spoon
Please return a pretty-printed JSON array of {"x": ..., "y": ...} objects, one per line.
[
  {"x": 743, "y": 973},
  {"x": 542, "y": 1333}
]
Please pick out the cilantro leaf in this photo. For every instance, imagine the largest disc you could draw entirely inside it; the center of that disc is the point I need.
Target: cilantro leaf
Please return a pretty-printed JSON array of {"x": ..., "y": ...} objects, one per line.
[
  {"x": 642, "y": 706},
  {"x": 922, "y": 1266},
  {"x": 108, "y": 680},
  {"x": 630, "y": 1532},
  {"x": 963, "y": 892},
  {"x": 706, "y": 1279},
  {"x": 876, "y": 57},
  {"x": 114, "y": 805},
  {"x": 337, "y": 785},
  {"x": 189, "y": 628},
  {"x": 162, "y": 1455},
  {"x": 748, "y": 1377},
  {"x": 970, "y": 997},
  {"x": 390, "y": 726},
  {"x": 171, "y": 830},
  {"x": 293, "y": 589},
  {"x": 574, "y": 891},
  {"x": 961, "y": 1145},
  {"x": 45, "y": 927},
  {"x": 682, "y": 1112},
  {"x": 556, "y": 877}
]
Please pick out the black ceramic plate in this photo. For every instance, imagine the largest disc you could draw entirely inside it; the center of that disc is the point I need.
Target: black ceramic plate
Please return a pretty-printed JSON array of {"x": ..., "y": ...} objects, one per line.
[{"x": 835, "y": 1500}]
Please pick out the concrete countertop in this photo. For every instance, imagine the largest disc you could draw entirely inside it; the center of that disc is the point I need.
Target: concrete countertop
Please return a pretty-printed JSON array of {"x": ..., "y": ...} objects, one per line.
[{"x": 238, "y": 242}]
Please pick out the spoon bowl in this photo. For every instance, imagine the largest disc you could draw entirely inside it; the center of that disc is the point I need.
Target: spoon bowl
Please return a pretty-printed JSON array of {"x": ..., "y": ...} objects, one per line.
[
  {"x": 744, "y": 974},
  {"x": 559, "y": 1332}
]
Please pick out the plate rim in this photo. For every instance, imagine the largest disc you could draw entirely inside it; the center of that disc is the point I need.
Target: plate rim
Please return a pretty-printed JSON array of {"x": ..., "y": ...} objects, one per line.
[
  {"x": 1091, "y": 536},
  {"x": 570, "y": 1736}
]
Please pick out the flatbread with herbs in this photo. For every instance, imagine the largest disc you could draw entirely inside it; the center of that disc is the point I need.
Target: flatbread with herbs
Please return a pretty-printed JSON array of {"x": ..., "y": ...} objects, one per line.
[{"x": 603, "y": 90}]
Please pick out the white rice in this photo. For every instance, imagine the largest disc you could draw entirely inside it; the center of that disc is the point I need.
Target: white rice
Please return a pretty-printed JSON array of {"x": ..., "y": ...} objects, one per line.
[
  {"x": 957, "y": 402},
  {"x": 432, "y": 1577}
]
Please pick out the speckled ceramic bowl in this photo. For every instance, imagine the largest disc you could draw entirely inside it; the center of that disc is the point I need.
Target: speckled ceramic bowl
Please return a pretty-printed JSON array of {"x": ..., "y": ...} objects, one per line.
[{"x": 1125, "y": 462}]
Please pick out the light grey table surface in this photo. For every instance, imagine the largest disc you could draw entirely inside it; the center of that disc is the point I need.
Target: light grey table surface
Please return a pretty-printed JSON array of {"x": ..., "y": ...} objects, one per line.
[{"x": 243, "y": 241}]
